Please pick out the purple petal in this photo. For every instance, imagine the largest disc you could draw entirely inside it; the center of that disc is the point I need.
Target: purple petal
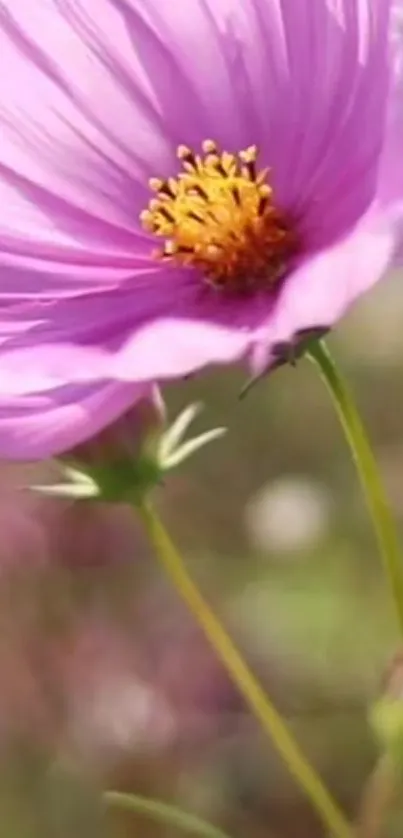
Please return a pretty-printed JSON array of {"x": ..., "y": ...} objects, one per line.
[
  {"x": 72, "y": 182},
  {"x": 390, "y": 183},
  {"x": 39, "y": 425},
  {"x": 164, "y": 325},
  {"x": 319, "y": 292},
  {"x": 103, "y": 91},
  {"x": 339, "y": 82}
]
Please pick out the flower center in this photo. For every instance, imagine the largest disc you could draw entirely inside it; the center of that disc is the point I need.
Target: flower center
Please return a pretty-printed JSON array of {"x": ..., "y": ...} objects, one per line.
[{"x": 218, "y": 215}]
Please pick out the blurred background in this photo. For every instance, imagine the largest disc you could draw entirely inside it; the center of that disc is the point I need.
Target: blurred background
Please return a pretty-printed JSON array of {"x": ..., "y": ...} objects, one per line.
[{"x": 105, "y": 682}]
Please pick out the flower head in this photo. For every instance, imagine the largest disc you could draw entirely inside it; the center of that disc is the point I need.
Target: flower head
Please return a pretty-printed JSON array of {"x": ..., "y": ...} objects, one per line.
[
  {"x": 182, "y": 185},
  {"x": 219, "y": 217}
]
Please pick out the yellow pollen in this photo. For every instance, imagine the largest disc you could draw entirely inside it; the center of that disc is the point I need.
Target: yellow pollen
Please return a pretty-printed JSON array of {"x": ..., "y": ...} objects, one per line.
[{"x": 218, "y": 215}]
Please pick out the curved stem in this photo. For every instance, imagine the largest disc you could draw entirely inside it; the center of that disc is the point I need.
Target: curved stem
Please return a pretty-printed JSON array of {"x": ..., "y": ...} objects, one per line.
[
  {"x": 379, "y": 793},
  {"x": 163, "y": 813},
  {"x": 243, "y": 678},
  {"x": 368, "y": 473}
]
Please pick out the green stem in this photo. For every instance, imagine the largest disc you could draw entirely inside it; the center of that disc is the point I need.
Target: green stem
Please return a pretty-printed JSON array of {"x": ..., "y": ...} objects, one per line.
[
  {"x": 368, "y": 473},
  {"x": 379, "y": 794},
  {"x": 163, "y": 813},
  {"x": 243, "y": 678}
]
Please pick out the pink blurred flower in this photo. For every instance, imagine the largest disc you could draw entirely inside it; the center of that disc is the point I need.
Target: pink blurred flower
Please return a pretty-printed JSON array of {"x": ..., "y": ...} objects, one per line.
[
  {"x": 96, "y": 97},
  {"x": 109, "y": 706}
]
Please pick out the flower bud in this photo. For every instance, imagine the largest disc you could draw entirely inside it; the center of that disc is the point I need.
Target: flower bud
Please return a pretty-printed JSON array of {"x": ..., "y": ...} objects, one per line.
[
  {"x": 123, "y": 459},
  {"x": 130, "y": 436},
  {"x": 130, "y": 457}
]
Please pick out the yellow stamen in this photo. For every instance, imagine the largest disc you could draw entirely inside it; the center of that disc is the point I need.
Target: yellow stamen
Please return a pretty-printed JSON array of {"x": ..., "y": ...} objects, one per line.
[{"x": 218, "y": 215}]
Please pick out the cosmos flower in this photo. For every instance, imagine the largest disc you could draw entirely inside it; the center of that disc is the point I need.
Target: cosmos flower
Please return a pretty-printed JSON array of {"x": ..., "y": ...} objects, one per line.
[{"x": 182, "y": 184}]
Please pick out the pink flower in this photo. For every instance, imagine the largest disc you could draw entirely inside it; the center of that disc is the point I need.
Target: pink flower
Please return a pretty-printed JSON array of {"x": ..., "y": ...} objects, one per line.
[{"x": 96, "y": 97}]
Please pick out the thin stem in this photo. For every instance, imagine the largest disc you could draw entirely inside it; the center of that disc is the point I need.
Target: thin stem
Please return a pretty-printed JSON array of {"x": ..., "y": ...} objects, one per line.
[
  {"x": 379, "y": 794},
  {"x": 368, "y": 473},
  {"x": 243, "y": 678},
  {"x": 163, "y": 813}
]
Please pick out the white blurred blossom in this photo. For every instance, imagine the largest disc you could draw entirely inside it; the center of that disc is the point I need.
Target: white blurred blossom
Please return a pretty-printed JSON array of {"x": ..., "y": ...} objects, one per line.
[
  {"x": 120, "y": 713},
  {"x": 290, "y": 514}
]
